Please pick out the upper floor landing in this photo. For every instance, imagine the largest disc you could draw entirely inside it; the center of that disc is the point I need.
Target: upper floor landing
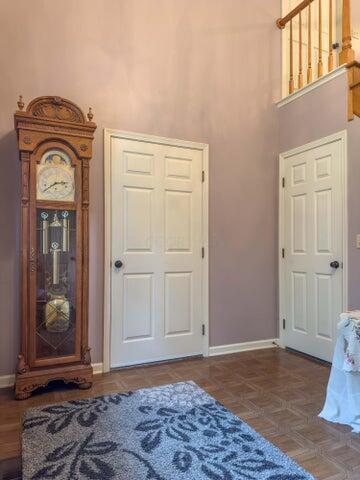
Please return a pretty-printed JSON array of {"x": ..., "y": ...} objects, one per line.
[{"x": 320, "y": 40}]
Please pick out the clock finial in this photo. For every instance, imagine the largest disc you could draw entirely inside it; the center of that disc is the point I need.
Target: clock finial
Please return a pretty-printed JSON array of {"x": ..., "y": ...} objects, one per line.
[
  {"x": 90, "y": 114},
  {"x": 20, "y": 103}
]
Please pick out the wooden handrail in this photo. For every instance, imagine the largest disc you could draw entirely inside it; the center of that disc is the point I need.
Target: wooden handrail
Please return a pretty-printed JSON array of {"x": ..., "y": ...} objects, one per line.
[{"x": 281, "y": 22}]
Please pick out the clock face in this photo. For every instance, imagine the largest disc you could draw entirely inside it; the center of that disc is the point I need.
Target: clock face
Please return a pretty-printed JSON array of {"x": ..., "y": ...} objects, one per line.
[
  {"x": 55, "y": 177},
  {"x": 55, "y": 183}
]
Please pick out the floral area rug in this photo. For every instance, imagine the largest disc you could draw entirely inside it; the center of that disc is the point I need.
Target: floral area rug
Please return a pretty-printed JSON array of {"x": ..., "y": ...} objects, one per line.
[{"x": 174, "y": 432}]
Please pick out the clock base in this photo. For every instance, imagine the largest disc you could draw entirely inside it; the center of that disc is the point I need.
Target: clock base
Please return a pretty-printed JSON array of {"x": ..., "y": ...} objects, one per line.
[
  {"x": 85, "y": 386},
  {"x": 29, "y": 381}
]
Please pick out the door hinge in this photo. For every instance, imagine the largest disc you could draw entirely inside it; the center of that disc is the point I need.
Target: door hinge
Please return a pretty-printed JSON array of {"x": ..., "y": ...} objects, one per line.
[
  {"x": 202, "y": 252},
  {"x": 283, "y": 182},
  {"x": 283, "y": 252},
  {"x": 203, "y": 329},
  {"x": 203, "y": 176},
  {"x": 284, "y": 324}
]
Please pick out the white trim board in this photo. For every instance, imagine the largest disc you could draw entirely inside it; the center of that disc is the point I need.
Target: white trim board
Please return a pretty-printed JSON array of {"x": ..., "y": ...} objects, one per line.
[
  {"x": 312, "y": 86},
  {"x": 97, "y": 368},
  {"x": 108, "y": 134},
  {"x": 342, "y": 136},
  {"x": 243, "y": 347},
  {"x": 9, "y": 380}
]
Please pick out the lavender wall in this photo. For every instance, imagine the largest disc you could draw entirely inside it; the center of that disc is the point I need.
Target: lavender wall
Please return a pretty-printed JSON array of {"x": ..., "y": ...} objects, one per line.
[
  {"x": 202, "y": 70},
  {"x": 320, "y": 113}
]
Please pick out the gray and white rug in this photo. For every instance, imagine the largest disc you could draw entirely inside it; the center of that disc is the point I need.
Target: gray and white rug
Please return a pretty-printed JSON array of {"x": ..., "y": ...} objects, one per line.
[{"x": 174, "y": 432}]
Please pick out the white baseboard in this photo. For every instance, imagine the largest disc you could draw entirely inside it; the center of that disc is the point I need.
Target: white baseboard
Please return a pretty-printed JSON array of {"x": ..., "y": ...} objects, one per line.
[
  {"x": 243, "y": 347},
  {"x": 8, "y": 380},
  {"x": 97, "y": 368}
]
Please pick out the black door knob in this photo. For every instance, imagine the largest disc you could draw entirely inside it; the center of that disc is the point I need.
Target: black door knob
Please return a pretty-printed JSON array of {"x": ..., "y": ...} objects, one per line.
[
  {"x": 118, "y": 264},
  {"x": 335, "y": 264}
]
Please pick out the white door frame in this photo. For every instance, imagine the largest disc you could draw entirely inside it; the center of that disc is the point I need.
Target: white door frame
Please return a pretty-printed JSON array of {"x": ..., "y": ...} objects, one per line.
[
  {"x": 108, "y": 135},
  {"x": 339, "y": 136}
]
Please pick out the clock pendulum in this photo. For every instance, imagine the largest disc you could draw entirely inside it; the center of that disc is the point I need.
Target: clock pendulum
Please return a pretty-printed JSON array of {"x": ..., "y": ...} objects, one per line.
[
  {"x": 57, "y": 309},
  {"x": 57, "y": 314},
  {"x": 55, "y": 250}
]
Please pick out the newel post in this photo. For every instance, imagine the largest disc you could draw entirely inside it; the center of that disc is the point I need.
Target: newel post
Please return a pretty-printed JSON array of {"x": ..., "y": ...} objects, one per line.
[{"x": 347, "y": 53}]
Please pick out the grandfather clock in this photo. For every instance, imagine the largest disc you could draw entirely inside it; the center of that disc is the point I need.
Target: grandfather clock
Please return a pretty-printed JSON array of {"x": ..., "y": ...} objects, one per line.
[{"x": 55, "y": 144}]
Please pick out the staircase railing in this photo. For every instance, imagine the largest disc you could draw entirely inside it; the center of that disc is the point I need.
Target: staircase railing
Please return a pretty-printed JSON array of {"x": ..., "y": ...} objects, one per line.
[{"x": 346, "y": 55}]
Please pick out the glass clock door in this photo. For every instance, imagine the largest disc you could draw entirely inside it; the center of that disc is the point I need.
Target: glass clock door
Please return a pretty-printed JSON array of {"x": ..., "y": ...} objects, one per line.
[{"x": 55, "y": 283}]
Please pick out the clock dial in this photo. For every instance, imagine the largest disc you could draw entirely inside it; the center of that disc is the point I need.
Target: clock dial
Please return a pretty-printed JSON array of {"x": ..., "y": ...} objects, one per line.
[
  {"x": 55, "y": 177},
  {"x": 55, "y": 183}
]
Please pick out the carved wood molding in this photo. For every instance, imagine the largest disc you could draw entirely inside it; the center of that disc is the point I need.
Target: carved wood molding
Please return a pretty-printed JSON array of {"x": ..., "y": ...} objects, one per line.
[
  {"x": 55, "y": 108},
  {"x": 86, "y": 183},
  {"x": 24, "y": 391},
  {"x": 56, "y": 116},
  {"x": 85, "y": 356},
  {"x": 25, "y": 173},
  {"x": 72, "y": 130},
  {"x": 30, "y": 140},
  {"x": 21, "y": 367}
]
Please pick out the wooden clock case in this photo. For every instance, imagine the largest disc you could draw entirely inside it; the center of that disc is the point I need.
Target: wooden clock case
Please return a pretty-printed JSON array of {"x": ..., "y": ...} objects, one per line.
[{"x": 52, "y": 122}]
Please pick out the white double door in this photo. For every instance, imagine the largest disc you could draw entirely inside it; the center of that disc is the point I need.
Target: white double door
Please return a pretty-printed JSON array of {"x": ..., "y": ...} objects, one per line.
[
  {"x": 156, "y": 291},
  {"x": 313, "y": 241}
]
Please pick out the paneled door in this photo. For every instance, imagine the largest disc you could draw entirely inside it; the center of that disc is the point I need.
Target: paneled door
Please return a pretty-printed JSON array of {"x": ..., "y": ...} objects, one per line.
[
  {"x": 157, "y": 251},
  {"x": 313, "y": 232}
]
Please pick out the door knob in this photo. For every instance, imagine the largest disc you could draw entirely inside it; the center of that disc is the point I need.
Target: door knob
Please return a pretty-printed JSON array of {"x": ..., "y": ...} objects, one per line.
[
  {"x": 118, "y": 264},
  {"x": 335, "y": 264}
]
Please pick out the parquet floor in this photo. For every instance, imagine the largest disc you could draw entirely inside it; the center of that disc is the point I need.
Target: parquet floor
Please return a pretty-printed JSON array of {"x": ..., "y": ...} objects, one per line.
[{"x": 278, "y": 393}]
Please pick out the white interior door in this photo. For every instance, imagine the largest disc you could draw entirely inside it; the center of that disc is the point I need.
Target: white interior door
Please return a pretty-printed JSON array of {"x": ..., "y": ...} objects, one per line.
[
  {"x": 313, "y": 240},
  {"x": 156, "y": 216}
]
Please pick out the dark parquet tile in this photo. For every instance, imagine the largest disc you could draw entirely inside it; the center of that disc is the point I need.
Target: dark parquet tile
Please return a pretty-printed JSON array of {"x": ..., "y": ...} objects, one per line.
[
  {"x": 278, "y": 393},
  {"x": 321, "y": 467}
]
